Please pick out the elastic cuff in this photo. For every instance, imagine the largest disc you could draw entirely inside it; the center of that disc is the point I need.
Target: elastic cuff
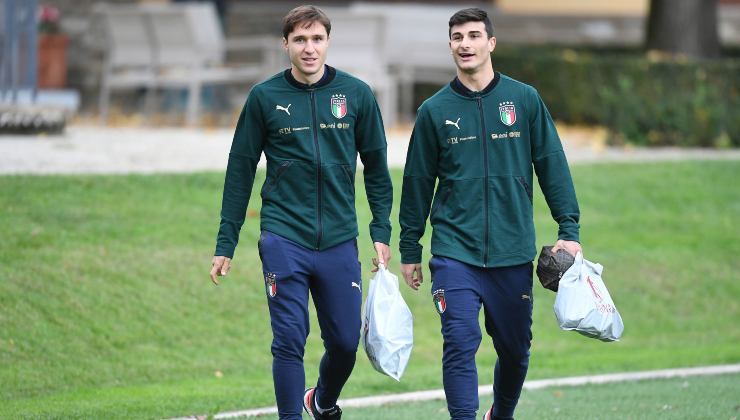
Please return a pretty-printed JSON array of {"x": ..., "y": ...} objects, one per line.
[
  {"x": 567, "y": 237},
  {"x": 224, "y": 252},
  {"x": 569, "y": 233},
  {"x": 381, "y": 235},
  {"x": 411, "y": 257}
]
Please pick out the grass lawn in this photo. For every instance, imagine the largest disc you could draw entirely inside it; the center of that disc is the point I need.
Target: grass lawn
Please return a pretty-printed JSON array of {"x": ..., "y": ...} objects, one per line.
[
  {"x": 713, "y": 397},
  {"x": 106, "y": 309}
]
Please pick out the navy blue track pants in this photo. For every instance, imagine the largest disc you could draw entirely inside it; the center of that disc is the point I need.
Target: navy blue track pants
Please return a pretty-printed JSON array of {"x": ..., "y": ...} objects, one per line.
[
  {"x": 458, "y": 291},
  {"x": 334, "y": 279}
]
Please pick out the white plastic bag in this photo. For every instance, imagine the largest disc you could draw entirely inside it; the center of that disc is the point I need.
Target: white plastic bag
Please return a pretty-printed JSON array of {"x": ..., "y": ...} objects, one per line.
[
  {"x": 583, "y": 303},
  {"x": 387, "y": 326}
]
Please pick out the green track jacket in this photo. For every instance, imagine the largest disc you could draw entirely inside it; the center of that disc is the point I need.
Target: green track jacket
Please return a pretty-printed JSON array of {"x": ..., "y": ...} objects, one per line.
[
  {"x": 482, "y": 146},
  {"x": 311, "y": 136}
]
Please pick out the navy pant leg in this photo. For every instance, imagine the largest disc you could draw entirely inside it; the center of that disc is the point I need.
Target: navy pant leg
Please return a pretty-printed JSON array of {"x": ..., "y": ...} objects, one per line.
[
  {"x": 458, "y": 284},
  {"x": 286, "y": 285},
  {"x": 507, "y": 305},
  {"x": 337, "y": 294}
]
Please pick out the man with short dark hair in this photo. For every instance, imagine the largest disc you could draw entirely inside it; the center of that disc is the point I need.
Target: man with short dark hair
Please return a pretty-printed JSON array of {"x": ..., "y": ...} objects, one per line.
[
  {"x": 311, "y": 121},
  {"x": 480, "y": 137}
]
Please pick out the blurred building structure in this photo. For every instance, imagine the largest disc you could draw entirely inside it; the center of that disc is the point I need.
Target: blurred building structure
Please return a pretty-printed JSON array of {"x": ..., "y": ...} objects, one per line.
[{"x": 412, "y": 45}]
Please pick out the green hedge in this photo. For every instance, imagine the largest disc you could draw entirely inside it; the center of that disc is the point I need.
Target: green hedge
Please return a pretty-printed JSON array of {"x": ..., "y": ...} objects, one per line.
[{"x": 642, "y": 100}]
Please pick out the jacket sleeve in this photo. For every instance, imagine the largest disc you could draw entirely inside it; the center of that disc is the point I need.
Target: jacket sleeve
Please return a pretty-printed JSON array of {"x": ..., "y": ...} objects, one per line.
[
  {"x": 551, "y": 168},
  {"x": 372, "y": 146},
  {"x": 419, "y": 177},
  {"x": 246, "y": 148}
]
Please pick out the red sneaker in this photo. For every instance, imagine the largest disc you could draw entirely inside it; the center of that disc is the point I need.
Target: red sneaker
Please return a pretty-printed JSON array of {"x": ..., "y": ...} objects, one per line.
[
  {"x": 488, "y": 414},
  {"x": 309, "y": 404}
]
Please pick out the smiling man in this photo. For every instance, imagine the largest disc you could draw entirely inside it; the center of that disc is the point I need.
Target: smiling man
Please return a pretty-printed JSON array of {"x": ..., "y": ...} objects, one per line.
[
  {"x": 481, "y": 137},
  {"x": 311, "y": 121}
]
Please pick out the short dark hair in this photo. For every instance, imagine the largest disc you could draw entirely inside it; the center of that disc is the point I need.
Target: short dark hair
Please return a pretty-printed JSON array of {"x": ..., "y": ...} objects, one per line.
[
  {"x": 305, "y": 15},
  {"x": 472, "y": 14}
]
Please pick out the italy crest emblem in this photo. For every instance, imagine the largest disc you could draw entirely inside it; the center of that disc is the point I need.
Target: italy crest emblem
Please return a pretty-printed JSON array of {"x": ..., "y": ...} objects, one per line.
[
  {"x": 338, "y": 105},
  {"x": 271, "y": 284},
  {"x": 439, "y": 301},
  {"x": 507, "y": 110}
]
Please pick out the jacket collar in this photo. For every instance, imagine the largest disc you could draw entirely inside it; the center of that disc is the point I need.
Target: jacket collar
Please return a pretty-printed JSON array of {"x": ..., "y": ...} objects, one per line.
[
  {"x": 458, "y": 87},
  {"x": 329, "y": 74}
]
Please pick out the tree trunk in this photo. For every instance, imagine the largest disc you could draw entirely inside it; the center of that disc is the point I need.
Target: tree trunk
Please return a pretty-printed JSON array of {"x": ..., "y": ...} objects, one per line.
[{"x": 687, "y": 27}]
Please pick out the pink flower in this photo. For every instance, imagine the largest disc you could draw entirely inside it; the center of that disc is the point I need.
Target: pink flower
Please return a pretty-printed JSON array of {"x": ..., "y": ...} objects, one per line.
[
  {"x": 48, "y": 18},
  {"x": 48, "y": 14}
]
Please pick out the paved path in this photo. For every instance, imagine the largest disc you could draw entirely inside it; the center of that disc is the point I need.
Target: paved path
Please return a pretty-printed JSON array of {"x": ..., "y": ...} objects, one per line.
[
  {"x": 100, "y": 150},
  {"x": 439, "y": 394}
]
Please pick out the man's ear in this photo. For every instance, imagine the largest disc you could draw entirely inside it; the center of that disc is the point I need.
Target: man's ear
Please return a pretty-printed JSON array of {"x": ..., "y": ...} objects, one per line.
[
  {"x": 491, "y": 44},
  {"x": 285, "y": 44}
]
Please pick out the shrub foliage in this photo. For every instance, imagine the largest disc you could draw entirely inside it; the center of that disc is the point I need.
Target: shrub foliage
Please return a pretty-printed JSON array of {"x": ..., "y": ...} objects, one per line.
[{"x": 643, "y": 99}]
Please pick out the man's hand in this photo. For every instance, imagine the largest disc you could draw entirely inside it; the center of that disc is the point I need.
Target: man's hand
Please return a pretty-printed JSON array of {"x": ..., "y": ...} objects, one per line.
[
  {"x": 219, "y": 267},
  {"x": 412, "y": 274},
  {"x": 384, "y": 255},
  {"x": 572, "y": 247}
]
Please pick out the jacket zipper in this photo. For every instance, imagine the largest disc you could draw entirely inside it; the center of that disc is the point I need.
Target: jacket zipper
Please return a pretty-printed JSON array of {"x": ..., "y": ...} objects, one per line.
[
  {"x": 485, "y": 181},
  {"x": 318, "y": 170}
]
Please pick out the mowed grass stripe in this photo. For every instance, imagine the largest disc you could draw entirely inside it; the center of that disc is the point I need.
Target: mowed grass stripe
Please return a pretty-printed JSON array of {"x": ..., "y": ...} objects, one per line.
[
  {"x": 106, "y": 309},
  {"x": 487, "y": 390},
  {"x": 707, "y": 397}
]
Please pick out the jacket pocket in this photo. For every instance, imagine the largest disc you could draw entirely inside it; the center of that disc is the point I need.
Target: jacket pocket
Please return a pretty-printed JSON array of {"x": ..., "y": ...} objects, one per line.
[
  {"x": 512, "y": 225},
  {"x": 459, "y": 217},
  {"x": 350, "y": 174},
  {"x": 338, "y": 200},
  {"x": 289, "y": 199},
  {"x": 445, "y": 194},
  {"x": 525, "y": 185},
  {"x": 273, "y": 182}
]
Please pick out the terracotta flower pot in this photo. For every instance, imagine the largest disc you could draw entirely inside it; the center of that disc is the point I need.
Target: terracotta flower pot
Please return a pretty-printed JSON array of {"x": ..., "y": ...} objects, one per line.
[{"x": 52, "y": 61}]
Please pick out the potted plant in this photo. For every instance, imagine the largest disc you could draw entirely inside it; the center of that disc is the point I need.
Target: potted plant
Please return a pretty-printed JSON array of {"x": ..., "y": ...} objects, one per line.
[{"x": 52, "y": 50}]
